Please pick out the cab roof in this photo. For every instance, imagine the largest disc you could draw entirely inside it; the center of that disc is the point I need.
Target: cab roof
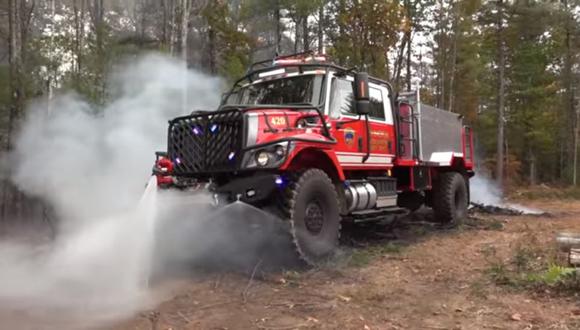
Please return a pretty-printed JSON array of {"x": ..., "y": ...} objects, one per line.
[{"x": 299, "y": 62}]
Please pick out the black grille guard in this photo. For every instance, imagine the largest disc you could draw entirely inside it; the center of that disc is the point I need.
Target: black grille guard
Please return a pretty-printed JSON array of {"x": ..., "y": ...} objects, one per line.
[{"x": 206, "y": 142}]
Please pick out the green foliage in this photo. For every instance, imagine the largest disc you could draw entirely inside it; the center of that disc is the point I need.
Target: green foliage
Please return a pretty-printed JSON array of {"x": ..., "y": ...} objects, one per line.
[
  {"x": 532, "y": 89},
  {"x": 533, "y": 109},
  {"x": 553, "y": 276},
  {"x": 300, "y": 8},
  {"x": 454, "y": 55},
  {"x": 531, "y": 267},
  {"x": 365, "y": 32},
  {"x": 230, "y": 45}
]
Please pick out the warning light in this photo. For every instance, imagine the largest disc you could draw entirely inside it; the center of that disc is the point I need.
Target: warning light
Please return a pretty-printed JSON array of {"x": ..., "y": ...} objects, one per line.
[{"x": 279, "y": 181}]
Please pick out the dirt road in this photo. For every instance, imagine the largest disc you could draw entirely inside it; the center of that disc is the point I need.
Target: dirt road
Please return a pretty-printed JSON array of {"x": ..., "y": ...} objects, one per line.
[{"x": 415, "y": 277}]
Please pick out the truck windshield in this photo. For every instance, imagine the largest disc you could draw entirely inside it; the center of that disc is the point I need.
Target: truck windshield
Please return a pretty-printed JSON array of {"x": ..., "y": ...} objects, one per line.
[{"x": 298, "y": 90}]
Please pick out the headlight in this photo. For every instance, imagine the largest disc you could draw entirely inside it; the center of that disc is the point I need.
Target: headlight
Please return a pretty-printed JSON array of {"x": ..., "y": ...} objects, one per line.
[
  {"x": 268, "y": 157},
  {"x": 262, "y": 158}
]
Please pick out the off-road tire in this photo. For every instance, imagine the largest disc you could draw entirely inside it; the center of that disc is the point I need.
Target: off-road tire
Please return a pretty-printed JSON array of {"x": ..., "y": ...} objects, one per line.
[
  {"x": 313, "y": 212},
  {"x": 450, "y": 199}
]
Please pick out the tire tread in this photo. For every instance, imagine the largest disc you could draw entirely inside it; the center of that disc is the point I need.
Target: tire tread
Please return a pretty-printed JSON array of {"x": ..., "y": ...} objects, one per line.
[
  {"x": 445, "y": 198},
  {"x": 291, "y": 195}
]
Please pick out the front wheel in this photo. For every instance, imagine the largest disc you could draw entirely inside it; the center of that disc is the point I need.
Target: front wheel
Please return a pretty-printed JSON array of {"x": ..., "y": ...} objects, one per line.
[
  {"x": 450, "y": 199},
  {"x": 312, "y": 209}
]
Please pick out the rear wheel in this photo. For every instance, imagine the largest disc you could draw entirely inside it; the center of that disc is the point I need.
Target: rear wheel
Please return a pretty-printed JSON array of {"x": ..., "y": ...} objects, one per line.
[
  {"x": 313, "y": 212},
  {"x": 450, "y": 199}
]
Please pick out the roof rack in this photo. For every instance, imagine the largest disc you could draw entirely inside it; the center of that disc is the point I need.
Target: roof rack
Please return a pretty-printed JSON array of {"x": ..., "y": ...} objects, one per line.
[{"x": 307, "y": 57}]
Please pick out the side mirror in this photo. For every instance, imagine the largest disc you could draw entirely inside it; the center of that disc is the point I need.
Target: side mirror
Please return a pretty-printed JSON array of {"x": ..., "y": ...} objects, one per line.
[{"x": 361, "y": 93}]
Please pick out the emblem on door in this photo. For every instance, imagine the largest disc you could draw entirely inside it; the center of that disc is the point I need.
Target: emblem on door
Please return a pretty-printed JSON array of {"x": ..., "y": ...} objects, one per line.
[{"x": 349, "y": 135}]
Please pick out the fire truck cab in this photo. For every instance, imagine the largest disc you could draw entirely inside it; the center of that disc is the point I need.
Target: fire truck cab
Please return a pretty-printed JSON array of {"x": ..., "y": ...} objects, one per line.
[{"x": 318, "y": 144}]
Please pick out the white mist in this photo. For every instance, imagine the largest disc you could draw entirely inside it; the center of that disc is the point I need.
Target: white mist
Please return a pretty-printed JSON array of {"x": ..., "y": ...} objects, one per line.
[
  {"x": 485, "y": 191},
  {"x": 92, "y": 165}
]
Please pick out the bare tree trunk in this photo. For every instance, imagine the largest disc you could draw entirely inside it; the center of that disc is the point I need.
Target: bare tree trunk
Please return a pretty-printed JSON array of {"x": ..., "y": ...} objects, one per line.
[
  {"x": 19, "y": 15},
  {"x": 185, "y": 9},
  {"x": 305, "y": 33},
  {"x": 441, "y": 98},
  {"x": 296, "y": 34},
  {"x": 278, "y": 28},
  {"x": 507, "y": 157},
  {"x": 79, "y": 19},
  {"x": 52, "y": 75},
  {"x": 211, "y": 49},
  {"x": 569, "y": 87},
  {"x": 97, "y": 11},
  {"x": 173, "y": 28},
  {"x": 408, "y": 78},
  {"x": 500, "y": 95},
  {"x": 165, "y": 18},
  {"x": 576, "y": 129},
  {"x": 452, "y": 76},
  {"x": 562, "y": 166},
  {"x": 453, "y": 58},
  {"x": 185, "y": 14},
  {"x": 532, "y": 168},
  {"x": 399, "y": 60},
  {"x": 442, "y": 58},
  {"x": 142, "y": 24},
  {"x": 15, "y": 61},
  {"x": 321, "y": 29}
]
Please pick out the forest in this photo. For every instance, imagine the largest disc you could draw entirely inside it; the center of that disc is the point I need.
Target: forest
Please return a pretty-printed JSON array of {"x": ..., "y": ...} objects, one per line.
[{"x": 511, "y": 68}]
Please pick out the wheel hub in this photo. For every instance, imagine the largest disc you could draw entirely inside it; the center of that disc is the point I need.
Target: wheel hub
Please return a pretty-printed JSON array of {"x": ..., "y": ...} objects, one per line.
[{"x": 314, "y": 217}]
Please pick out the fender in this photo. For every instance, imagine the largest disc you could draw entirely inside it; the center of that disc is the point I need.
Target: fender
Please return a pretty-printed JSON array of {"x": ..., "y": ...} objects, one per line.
[{"x": 308, "y": 156}]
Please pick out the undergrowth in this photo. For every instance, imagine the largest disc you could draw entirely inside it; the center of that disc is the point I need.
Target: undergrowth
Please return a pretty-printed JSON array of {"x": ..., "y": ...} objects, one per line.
[
  {"x": 363, "y": 257},
  {"x": 547, "y": 193},
  {"x": 532, "y": 266}
]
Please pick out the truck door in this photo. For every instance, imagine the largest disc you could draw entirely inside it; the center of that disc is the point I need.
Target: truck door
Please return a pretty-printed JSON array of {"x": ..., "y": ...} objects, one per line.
[
  {"x": 350, "y": 131},
  {"x": 382, "y": 128},
  {"x": 351, "y": 134}
]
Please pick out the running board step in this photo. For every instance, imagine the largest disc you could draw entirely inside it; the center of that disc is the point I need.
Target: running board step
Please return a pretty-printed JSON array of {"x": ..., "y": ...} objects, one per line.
[{"x": 375, "y": 214}]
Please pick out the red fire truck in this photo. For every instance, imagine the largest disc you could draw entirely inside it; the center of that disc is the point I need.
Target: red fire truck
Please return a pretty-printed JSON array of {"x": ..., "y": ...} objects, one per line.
[{"x": 318, "y": 144}]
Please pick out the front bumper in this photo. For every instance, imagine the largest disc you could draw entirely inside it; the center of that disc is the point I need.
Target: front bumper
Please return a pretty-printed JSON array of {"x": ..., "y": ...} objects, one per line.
[{"x": 253, "y": 189}]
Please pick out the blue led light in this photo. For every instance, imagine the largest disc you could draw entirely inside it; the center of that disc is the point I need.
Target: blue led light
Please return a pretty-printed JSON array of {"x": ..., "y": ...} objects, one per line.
[
  {"x": 231, "y": 155},
  {"x": 279, "y": 181},
  {"x": 213, "y": 128},
  {"x": 177, "y": 160},
  {"x": 196, "y": 131}
]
